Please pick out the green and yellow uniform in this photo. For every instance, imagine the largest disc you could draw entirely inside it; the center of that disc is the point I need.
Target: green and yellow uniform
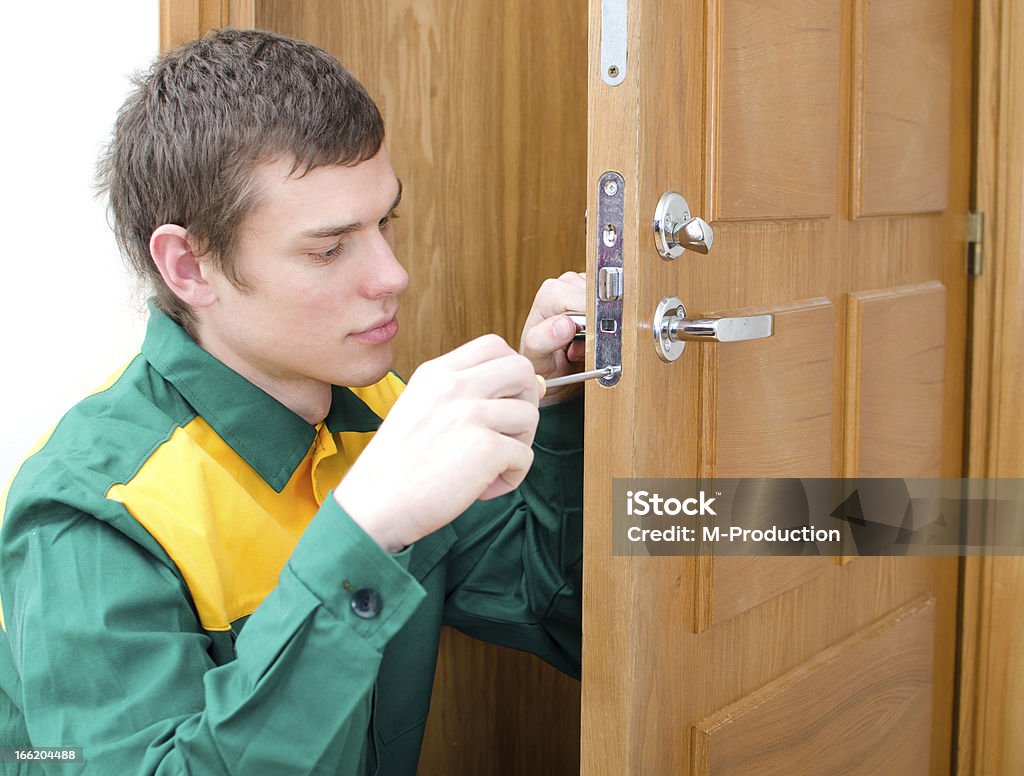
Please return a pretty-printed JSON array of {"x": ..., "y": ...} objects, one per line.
[{"x": 181, "y": 594}]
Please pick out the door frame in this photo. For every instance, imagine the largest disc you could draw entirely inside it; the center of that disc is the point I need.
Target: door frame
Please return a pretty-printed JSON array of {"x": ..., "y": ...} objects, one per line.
[{"x": 991, "y": 706}]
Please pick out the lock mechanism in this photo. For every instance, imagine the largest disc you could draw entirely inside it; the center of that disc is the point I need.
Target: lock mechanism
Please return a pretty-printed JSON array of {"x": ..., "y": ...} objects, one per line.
[
  {"x": 607, "y": 334},
  {"x": 672, "y": 329},
  {"x": 675, "y": 230}
]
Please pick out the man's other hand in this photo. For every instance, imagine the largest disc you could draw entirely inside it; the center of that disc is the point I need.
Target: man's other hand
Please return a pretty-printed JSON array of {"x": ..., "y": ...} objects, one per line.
[{"x": 547, "y": 339}]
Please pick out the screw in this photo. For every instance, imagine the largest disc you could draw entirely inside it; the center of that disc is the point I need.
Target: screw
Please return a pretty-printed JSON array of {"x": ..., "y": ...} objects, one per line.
[
  {"x": 613, "y": 71},
  {"x": 611, "y": 188}
]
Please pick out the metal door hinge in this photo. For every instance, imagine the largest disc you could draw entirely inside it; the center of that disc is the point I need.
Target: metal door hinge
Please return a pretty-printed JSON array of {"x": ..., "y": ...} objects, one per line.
[{"x": 975, "y": 242}]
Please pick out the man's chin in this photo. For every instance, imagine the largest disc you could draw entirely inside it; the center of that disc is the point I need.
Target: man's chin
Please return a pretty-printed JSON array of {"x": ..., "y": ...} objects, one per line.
[{"x": 364, "y": 377}]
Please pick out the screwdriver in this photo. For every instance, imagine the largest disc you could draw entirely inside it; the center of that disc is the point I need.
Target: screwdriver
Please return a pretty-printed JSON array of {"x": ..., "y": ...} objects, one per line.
[{"x": 579, "y": 377}]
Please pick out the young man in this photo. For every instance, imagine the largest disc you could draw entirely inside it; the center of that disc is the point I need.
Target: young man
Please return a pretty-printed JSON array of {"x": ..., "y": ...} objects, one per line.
[{"x": 224, "y": 562}]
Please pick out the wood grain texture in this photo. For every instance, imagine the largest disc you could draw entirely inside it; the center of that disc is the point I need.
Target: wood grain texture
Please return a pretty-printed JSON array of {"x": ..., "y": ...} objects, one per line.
[
  {"x": 776, "y": 418},
  {"x": 240, "y": 13},
  {"x": 485, "y": 107},
  {"x": 648, "y": 678},
  {"x": 185, "y": 20},
  {"x": 773, "y": 120},
  {"x": 902, "y": 98},
  {"x": 896, "y": 382},
  {"x": 499, "y": 711},
  {"x": 992, "y": 661},
  {"x": 771, "y": 417},
  {"x": 860, "y": 708},
  {"x": 612, "y": 733}
]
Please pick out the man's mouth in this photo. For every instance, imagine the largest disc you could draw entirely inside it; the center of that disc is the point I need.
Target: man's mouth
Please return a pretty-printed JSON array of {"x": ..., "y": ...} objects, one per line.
[{"x": 380, "y": 332}]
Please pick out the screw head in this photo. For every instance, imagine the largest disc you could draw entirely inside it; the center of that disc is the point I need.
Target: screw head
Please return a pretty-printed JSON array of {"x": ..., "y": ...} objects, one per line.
[
  {"x": 611, "y": 188},
  {"x": 613, "y": 71}
]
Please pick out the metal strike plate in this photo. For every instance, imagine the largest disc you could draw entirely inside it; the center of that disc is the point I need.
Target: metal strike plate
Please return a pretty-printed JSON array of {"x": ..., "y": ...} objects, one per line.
[
  {"x": 613, "y": 41},
  {"x": 608, "y": 321}
]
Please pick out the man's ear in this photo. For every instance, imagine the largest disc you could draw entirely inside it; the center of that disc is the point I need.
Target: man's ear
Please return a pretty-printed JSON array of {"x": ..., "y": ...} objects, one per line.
[{"x": 171, "y": 247}]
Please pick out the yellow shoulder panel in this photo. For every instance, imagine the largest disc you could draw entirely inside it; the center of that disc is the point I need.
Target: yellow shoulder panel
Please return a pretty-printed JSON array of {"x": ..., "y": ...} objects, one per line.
[{"x": 228, "y": 532}]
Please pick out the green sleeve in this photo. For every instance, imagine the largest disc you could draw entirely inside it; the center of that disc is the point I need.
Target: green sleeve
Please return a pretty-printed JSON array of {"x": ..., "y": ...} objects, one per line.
[
  {"x": 111, "y": 658},
  {"x": 515, "y": 575}
]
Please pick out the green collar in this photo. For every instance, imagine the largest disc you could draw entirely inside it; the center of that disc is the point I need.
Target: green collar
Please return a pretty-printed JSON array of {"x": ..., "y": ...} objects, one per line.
[{"x": 271, "y": 438}]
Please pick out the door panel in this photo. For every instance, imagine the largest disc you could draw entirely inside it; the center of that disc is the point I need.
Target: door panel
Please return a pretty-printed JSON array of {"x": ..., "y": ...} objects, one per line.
[
  {"x": 903, "y": 69},
  {"x": 766, "y": 412},
  {"x": 772, "y": 119},
  {"x": 769, "y": 402},
  {"x": 894, "y": 405},
  {"x": 858, "y": 708},
  {"x": 772, "y": 124}
]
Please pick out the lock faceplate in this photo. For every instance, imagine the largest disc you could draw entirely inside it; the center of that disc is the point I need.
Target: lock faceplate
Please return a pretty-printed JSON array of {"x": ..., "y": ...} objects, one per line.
[{"x": 608, "y": 303}]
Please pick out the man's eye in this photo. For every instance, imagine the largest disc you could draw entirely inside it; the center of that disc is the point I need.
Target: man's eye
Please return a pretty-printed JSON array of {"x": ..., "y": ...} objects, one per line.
[
  {"x": 385, "y": 222},
  {"x": 327, "y": 256}
]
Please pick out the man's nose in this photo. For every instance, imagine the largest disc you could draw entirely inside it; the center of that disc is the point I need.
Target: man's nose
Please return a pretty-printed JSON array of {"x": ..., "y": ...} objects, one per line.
[{"x": 385, "y": 275}]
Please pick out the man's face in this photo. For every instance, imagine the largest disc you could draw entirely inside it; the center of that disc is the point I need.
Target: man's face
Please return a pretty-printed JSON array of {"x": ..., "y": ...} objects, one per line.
[{"x": 318, "y": 257}]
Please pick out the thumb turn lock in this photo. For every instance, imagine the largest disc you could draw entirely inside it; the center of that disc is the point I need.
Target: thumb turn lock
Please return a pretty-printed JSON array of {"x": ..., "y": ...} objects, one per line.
[
  {"x": 672, "y": 329},
  {"x": 675, "y": 230}
]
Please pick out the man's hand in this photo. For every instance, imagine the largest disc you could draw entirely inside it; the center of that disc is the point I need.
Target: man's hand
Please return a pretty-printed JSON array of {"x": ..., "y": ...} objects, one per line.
[
  {"x": 462, "y": 430},
  {"x": 548, "y": 334}
]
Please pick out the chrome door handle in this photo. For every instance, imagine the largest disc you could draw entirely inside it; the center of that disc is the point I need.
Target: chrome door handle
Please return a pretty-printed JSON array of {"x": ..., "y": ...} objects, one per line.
[
  {"x": 672, "y": 329},
  {"x": 675, "y": 230}
]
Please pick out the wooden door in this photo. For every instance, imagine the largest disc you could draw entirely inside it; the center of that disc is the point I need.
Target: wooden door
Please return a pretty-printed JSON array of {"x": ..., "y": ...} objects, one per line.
[{"x": 828, "y": 143}]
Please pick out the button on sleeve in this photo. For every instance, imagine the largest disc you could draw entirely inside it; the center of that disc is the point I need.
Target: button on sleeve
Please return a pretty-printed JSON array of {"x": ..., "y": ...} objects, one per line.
[
  {"x": 366, "y": 603},
  {"x": 354, "y": 577}
]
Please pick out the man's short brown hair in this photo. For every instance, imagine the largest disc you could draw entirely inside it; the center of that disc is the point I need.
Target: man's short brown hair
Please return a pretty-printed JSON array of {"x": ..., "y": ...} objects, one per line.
[{"x": 202, "y": 118}]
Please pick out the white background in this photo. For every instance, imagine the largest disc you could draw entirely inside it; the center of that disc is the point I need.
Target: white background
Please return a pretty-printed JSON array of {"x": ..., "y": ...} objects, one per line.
[{"x": 68, "y": 310}]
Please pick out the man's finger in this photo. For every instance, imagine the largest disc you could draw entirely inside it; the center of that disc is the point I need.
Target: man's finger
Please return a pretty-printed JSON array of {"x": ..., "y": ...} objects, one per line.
[
  {"x": 560, "y": 296},
  {"x": 509, "y": 376},
  {"x": 511, "y": 417},
  {"x": 548, "y": 336},
  {"x": 574, "y": 278},
  {"x": 518, "y": 460},
  {"x": 476, "y": 351},
  {"x": 577, "y": 352}
]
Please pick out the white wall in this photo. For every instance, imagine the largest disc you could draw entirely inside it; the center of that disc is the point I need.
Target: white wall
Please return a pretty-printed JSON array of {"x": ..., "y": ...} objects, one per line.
[{"x": 68, "y": 316}]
